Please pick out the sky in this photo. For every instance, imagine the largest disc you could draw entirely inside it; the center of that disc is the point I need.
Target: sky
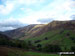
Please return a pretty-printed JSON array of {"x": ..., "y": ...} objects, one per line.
[{"x": 19, "y": 13}]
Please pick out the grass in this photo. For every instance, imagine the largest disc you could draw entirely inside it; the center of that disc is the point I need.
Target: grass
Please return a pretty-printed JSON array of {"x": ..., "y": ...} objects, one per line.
[
  {"x": 6, "y": 51},
  {"x": 68, "y": 55},
  {"x": 41, "y": 54},
  {"x": 29, "y": 53}
]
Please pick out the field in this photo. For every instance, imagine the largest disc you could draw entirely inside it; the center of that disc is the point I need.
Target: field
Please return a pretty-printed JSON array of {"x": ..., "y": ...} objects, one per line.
[
  {"x": 5, "y": 51},
  {"x": 68, "y": 55}
]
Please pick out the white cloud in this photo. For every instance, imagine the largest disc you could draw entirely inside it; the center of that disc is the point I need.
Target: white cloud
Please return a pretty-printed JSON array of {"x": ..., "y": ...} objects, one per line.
[
  {"x": 61, "y": 9},
  {"x": 22, "y": 8},
  {"x": 10, "y": 24},
  {"x": 10, "y": 5},
  {"x": 7, "y": 8},
  {"x": 29, "y": 20},
  {"x": 6, "y": 28},
  {"x": 58, "y": 9},
  {"x": 30, "y": 2}
]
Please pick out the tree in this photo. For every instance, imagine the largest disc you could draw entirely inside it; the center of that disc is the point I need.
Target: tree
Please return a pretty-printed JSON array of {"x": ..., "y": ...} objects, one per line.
[
  {"x": 46, "y": 38},
  {"x": 29, "y": 43},
  {"x": 52, "y": 48},
  {"x": 68, "y": 34},
  {"x": 37, "y": 41},
  {"x": 73, "y": 48},
  {"x": 39, "y": 47}
]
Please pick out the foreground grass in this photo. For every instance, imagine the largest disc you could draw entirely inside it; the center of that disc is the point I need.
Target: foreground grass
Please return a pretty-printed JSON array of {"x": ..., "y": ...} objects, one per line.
[
  {"x": 40, "y": 54},
  {"x": 28, "y": 53},
  {"x": 5, "y": 51},
  {"x": 67, "y": 55}
]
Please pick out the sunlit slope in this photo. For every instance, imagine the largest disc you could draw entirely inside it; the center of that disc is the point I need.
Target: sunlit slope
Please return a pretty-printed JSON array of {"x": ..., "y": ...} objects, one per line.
[{"x": 24, "y": 32}]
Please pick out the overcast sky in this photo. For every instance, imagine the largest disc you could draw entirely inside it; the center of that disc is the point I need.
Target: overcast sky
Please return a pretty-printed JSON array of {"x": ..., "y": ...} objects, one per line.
[{"x": 18, "y": 13}]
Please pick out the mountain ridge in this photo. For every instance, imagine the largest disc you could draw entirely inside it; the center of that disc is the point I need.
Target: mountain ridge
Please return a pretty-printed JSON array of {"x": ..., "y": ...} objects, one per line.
[{"x": 38, "y": 29}]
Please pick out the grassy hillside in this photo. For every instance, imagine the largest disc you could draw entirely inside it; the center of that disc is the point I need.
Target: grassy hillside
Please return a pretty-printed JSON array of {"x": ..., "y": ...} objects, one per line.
[{"x": 64, "y": 38}]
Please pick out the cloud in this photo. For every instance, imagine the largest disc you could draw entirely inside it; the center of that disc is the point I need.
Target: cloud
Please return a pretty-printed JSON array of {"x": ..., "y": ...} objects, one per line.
[
  {"x": 10, "y": 24},
  {"x": 6, "y": 28},
  {"x": 30, "y": 2},
  {"x": 73, "y": 17},
  {"x": 57, "y": 10},
  {"x": 45, "y": 20},
  {"x": 60, "y": 9},
  {"x": 9, "y": 6}
]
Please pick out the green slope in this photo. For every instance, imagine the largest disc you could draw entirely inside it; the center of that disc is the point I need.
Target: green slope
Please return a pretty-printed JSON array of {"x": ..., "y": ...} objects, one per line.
[{"x": 64, "y": 38}]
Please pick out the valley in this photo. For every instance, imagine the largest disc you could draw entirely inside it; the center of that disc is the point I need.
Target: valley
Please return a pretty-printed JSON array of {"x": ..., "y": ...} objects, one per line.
[{"x": 39, "y": 40}]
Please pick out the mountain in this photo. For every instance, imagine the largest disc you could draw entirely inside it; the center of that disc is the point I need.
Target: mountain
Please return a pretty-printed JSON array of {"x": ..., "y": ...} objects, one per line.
[
  {"x": 3, "y": 35},
  {"x": 23, "y": 32},
  {"x": 61, "y": 33},
  {"x": 38, "y": 29},
  {"x": 54, "y": 25}
]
